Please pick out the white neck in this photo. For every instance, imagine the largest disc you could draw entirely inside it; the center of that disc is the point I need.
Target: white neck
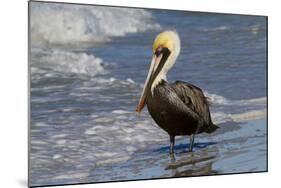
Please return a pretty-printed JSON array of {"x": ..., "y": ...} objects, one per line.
[
  {"x": 163, "y": 73},
  {"x": 157, "y": 80},
  {"x": 175, "y": 51}
]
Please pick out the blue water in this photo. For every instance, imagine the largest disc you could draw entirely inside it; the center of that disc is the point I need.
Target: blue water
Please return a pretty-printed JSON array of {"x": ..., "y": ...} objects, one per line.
[
  {"x": 222, "y": 54},
  {"x": 83, "y": 94}
]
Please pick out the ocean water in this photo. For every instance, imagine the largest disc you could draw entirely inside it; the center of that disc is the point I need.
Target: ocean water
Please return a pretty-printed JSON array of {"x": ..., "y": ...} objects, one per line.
[{"x": 87, "y": 69}]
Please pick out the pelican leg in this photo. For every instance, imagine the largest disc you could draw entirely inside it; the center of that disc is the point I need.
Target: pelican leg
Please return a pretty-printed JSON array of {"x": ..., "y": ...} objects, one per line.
[
  {"x": 191, "y": 142},
  {"x": 172, "y": 143}
]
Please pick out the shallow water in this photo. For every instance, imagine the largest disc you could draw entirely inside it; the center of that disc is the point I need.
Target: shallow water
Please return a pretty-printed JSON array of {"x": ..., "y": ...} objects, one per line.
[
  {"x": 235, "y": 148},
  {"x": 86, "y": 79}
]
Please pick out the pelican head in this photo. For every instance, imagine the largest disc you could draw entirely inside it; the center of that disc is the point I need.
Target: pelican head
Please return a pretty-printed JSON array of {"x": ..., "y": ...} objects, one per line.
[{"x": 166, "y": 48}]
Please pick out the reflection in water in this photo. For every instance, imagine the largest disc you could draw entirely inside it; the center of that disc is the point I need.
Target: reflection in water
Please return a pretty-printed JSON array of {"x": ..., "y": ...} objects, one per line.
[
  {"x": 172, "y": 157},
  {"x": 192, "y": 164}
]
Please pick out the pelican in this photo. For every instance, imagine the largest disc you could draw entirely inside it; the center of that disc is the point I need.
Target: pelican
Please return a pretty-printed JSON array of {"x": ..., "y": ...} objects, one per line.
[{"x": 179, "y": 108}]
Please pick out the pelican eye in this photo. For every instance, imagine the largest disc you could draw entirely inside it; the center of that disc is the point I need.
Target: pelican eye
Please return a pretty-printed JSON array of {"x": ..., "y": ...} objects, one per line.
[
  {"x": 162, "y": 50},
  {"x": 158, "y": 51}
]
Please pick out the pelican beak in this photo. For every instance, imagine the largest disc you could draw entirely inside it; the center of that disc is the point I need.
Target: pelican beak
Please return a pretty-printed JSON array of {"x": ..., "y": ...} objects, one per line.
[{"x": 157, "y": 63}]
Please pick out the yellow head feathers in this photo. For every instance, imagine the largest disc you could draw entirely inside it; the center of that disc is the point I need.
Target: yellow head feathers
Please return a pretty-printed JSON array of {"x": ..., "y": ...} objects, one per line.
[{"x": 165, "y": 39}]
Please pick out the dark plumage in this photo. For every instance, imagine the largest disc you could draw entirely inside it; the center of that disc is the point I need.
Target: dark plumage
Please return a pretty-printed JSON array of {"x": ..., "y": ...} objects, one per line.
[{"x": 180, "y": 109}]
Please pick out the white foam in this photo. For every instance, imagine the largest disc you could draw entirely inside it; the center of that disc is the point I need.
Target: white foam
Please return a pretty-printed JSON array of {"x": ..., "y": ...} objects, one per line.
[
  {"x": 93, "y": 130},
  {"x": 219, "y": 28},
  {"x": 255, "y": 101},
  {"x": 130, "y": 80},
  {"x": 106, "y": 154},
  {"x": 116, "y": 139},
  {"x": 220, "y": 117},
  {"x": 76, "y": 175},
  {"x": 61, "y": 142},
  {"x": 255, "y": 29},
  {"x": 251, "y": 115},
  {"x": 69, "y": 62},
  {"x": 220, "y": 100},
  {"x": 113, "y": 160},
  {"x": 259, "y": 111},
  {"x": 68, "y": 24},
  {"x": 57, "y": 156},
  {"x": 216, "y": 99},
  {"x": 38, "y": 142},
  {"x": 120, "y": 112}
]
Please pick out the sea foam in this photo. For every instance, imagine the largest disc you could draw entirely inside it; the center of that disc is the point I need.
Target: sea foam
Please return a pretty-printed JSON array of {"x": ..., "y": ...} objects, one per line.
[
  {"x": 69, "y": 62},
  {"x": 221, "y": 100},
  {"x": 57, "y": 29},
  {"x": 64, "y": 24}
]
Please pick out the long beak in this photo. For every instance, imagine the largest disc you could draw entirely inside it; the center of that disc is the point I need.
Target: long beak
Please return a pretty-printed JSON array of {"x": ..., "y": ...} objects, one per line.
[{"x": 149, "y": 80}]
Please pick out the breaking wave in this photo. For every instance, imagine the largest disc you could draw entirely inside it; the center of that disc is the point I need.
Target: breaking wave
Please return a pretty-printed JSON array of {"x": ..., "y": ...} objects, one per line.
[
  {"x": 56, "y": 29},
  {"x": 63, "y": 24},
  {"x": 69, "y": 62}
]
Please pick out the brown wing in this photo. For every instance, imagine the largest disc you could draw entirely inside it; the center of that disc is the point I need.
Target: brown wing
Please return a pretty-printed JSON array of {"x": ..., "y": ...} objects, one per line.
[{"x": 193, "y": 97}]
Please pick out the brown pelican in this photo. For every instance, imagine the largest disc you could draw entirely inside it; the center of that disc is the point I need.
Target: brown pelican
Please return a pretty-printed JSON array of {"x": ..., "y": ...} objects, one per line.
[{"x": 179, "y": 108}]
